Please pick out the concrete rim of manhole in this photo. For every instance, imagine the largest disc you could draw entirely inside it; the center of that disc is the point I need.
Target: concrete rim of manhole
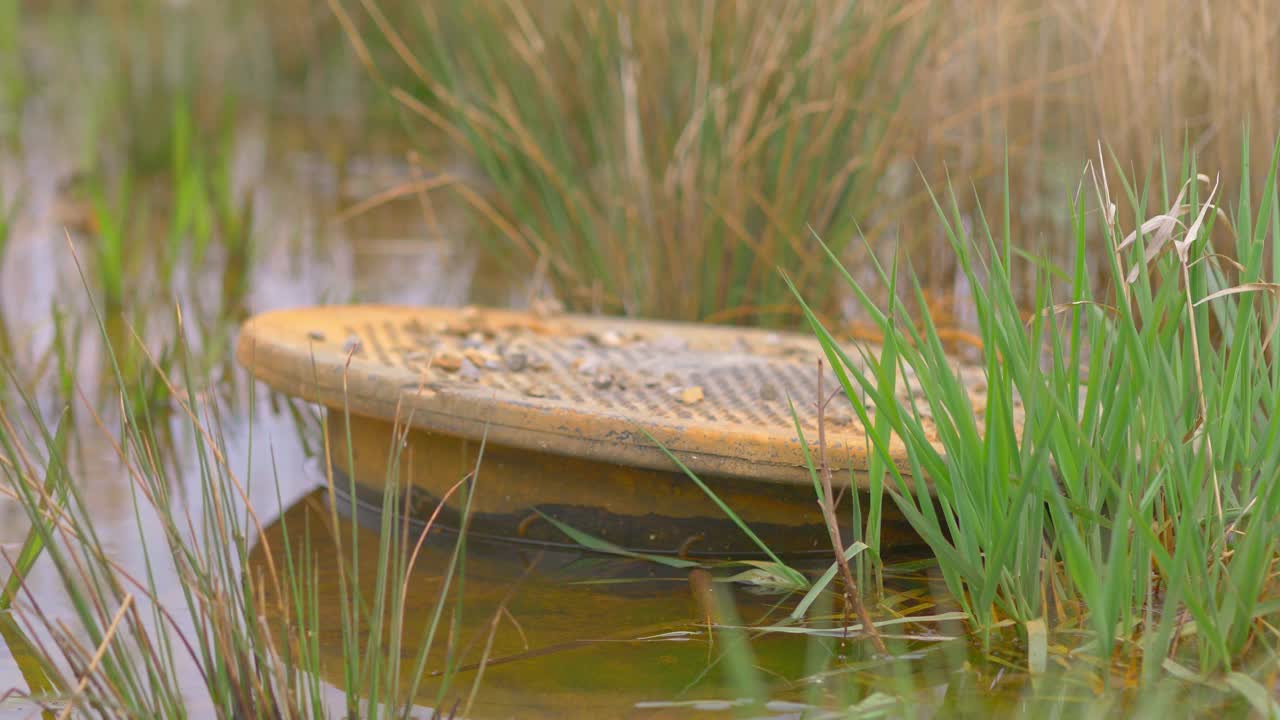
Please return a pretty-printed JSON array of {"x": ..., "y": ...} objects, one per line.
[{"x": 580, "y": 386}]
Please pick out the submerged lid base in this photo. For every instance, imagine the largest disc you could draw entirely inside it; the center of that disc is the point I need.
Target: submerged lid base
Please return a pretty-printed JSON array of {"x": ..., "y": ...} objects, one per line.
[{"x": 634, "y": 508}]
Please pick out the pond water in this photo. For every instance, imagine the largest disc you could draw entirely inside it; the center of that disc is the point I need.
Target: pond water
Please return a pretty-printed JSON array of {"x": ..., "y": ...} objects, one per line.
[{"x": 561, "y": 634}]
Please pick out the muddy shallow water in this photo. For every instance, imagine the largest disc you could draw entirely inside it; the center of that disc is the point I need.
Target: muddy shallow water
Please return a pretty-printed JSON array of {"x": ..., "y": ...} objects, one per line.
[{"x": 554, "y": 633}]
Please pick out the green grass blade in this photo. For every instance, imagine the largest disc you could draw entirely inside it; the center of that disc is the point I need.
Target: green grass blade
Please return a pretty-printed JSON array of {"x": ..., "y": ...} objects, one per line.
[
  {"x": 54, "y": 480},
  {"x": 824, "y": 580},
  {"x": 796, "y": 576},
  {"x": 591, "y": 542}
]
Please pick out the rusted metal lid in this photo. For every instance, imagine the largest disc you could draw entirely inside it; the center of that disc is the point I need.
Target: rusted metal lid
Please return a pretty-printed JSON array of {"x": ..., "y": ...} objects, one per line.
[{"x": 588, "y": 387}]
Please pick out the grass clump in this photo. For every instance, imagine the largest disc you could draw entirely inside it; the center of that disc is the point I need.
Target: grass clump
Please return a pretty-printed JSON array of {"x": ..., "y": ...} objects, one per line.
[
  {"x": 1119, "y": 480},
  {"x": 660, "y": 159},
  {"x": 233, "y": 638}
]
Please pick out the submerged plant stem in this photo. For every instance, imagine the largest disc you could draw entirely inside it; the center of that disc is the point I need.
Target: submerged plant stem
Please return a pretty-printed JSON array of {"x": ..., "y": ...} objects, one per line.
[{"x": 852, "y": 593}]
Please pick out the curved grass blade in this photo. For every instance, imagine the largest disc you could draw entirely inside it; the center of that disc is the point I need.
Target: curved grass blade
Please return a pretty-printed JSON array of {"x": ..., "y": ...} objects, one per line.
[
  {"x": 824, "y": 580},
  {"x": 54, "y": 480},
  {"x": 795, "y": 575},
  {"x": 591, "y": 542}
]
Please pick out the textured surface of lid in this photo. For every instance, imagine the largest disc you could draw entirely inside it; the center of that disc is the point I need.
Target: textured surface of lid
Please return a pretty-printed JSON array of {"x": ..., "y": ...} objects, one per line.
[{"x": 588, "y": 387}]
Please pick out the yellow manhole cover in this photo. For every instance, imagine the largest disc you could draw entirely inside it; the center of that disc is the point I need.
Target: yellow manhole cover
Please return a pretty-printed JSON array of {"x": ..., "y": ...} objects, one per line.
[{"x": 564, "y": 404}]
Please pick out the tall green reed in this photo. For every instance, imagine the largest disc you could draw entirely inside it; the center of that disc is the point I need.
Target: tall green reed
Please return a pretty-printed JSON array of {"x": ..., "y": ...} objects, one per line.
[
  {"x": 42, "y": 680},
  {"x": 13, "y": 80},
  {"x": 163, "y": 229},
  {"x": 7, "y": 214},
  {"x": 53, "y": 486},
  {"x": 115, "y": 220},
  {"x": 1117, "y": 479},
  {"x": 125, "y": 652}
]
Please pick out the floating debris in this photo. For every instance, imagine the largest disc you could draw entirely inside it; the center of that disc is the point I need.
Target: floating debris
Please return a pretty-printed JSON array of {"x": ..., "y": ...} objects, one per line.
[
  {"x": 586, "y": 365},
  {"x": 516, "y": 360},
  {"x": 482, "y": 359},
  {"x": 469, "y": 371},
  {"x": 670, "y": 343},
  {"x": 769, "y": 392},
  {"x": 690, "y": 395},
  {"x": 448, "y": 362},
  {"x": 315, "y": 335},
  {"x": 546, "y": 307},
  {"x": 609, "y": 339},
  {"x": 839, "y": 418}
]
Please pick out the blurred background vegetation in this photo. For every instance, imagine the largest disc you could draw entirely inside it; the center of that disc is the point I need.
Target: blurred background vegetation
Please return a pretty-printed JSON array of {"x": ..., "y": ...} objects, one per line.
[
  {"x": 694, "y": 146},
  {"x": 662, "y": 158}
]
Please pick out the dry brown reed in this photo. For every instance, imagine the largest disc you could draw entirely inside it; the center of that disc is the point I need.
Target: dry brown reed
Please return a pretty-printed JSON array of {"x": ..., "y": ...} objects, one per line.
[{"x": 664, "y": 158}]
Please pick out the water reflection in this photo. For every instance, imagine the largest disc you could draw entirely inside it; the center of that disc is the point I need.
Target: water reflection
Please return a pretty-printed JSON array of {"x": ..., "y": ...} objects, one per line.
[{"x": 547, "y": 634}]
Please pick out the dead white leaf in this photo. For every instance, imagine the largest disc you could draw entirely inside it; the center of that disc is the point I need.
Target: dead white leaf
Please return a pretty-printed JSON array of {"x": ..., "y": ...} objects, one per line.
[
  {"x": 1183, "y": 246},
  {"x": 1272, "y": 288}
]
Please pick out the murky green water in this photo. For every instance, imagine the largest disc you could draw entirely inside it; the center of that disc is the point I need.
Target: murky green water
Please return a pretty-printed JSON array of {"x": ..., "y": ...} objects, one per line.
[{"x": 557, "y": 634}]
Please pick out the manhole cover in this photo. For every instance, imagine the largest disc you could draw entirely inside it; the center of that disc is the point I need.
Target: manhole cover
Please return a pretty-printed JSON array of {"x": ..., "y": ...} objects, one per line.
[{"x": 566, "y": 405}]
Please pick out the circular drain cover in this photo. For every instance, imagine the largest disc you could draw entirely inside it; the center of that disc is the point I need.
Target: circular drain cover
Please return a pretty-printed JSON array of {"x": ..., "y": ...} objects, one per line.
[{"x": 719, "y": 398}]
